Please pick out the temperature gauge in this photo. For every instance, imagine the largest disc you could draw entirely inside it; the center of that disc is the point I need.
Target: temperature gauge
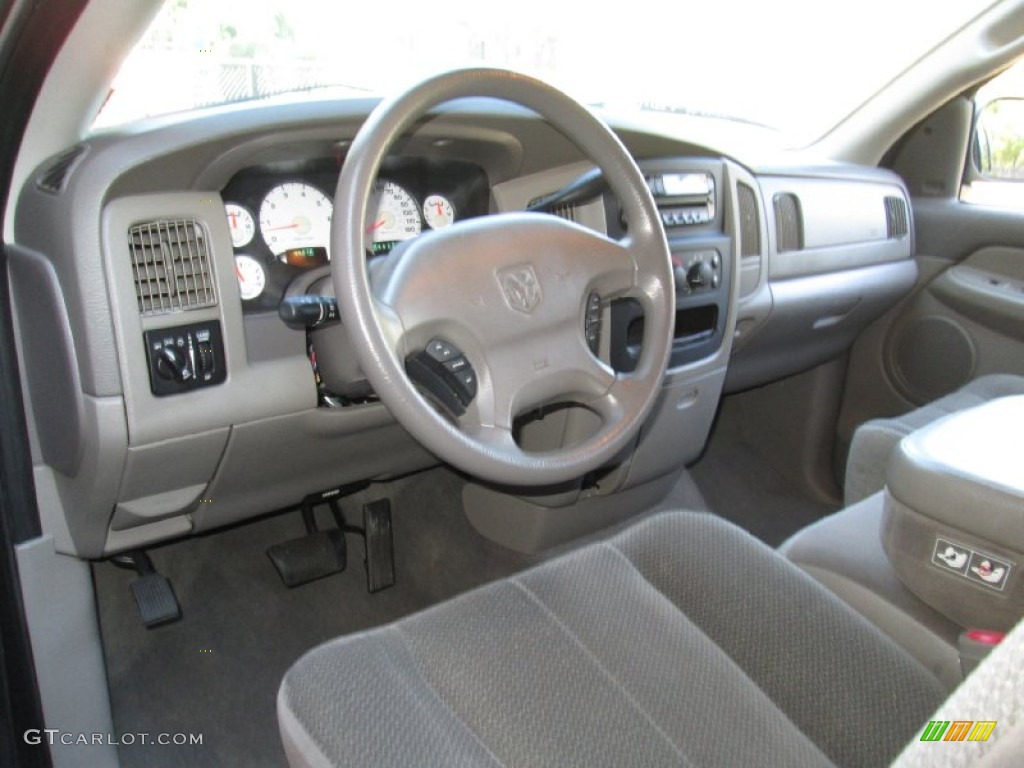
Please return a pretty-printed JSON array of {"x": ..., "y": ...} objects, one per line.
[
  {"x": 251, "y": 277},
  {"x": 241, "y": 224},
  {"x": 438, "y": 212}
]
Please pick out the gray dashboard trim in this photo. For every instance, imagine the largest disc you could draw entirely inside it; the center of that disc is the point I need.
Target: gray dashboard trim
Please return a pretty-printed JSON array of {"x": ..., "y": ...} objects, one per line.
[
  {"x": 251, "y": 391},
  {"x": 844, "y": 224}
]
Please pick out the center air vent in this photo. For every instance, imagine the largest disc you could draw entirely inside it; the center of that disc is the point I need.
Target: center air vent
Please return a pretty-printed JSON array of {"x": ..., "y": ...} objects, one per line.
[
  {"x": 897, "y": 223},
  {"x": 789, "y": 225},
  {"x": 171, "y": 264}
]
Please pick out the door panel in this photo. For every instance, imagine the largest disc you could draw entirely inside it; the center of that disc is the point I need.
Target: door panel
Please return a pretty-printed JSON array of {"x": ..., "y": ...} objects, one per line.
[{"x": 964, "y": 319}]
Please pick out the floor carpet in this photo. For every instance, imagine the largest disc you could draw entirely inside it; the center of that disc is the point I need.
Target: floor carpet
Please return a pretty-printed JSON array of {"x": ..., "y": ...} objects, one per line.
[{"x": 740, "y": 484}]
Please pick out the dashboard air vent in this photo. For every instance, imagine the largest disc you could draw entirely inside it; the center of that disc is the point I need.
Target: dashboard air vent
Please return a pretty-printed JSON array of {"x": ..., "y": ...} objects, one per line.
[
  {"x": 789, "y": 225},
  {"x": 171, "y": 262},
  {"x": 53, "y": 178},
  {"x": 897, "y": 223},
  {"x": 750, "y": 227},
  {"x": 567, "y": 212}
]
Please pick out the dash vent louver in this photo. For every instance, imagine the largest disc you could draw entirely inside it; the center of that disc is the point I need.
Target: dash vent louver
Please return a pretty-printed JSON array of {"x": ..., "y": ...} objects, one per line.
[
  {"x": 171, "y": 265},
  {"x": 54, "y": 177},
  {"x": 897, "y": 222},
  {"x": 567, "y": 212},
  {"x": 750, "y": 226},
  {"x": 789, "y": 225}
]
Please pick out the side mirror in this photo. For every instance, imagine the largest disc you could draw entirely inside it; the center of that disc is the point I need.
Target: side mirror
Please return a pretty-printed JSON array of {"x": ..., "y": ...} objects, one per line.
[{"x": 997, "y": 146}]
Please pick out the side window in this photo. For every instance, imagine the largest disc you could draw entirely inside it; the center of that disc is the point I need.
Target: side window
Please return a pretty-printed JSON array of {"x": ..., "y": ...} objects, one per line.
[{"x": 995, "y": 169}]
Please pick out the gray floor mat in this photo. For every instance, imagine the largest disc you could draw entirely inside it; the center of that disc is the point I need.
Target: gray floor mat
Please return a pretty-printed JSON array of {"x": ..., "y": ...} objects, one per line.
[{"x": 217, "y": 671}]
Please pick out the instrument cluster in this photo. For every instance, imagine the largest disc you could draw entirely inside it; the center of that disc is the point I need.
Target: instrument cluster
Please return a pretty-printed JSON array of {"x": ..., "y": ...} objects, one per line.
[{"x": 279, "y": 216}]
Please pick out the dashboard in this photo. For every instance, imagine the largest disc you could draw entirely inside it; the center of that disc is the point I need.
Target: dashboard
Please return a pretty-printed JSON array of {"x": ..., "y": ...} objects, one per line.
[{"x": 169, "y": 398}]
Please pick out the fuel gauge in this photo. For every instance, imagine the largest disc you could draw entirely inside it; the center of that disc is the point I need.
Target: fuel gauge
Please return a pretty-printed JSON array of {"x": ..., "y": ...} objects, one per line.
[{"x": 438, "y": 212}]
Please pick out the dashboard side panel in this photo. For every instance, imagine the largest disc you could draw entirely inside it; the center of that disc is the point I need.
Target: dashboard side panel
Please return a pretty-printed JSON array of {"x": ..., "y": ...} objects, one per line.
[{"x": 251, "y": 390}]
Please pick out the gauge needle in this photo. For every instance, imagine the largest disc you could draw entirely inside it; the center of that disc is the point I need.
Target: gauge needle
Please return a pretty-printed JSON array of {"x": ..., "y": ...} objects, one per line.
[
  {"x": 293, "y": 225},
  {"x": 377, "y": 225},
  {"x": 238, "y": 272}
]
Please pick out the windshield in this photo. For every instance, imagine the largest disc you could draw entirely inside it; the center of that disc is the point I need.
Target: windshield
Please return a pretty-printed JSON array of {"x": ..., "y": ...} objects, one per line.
[{"x": 796, "y": 66}]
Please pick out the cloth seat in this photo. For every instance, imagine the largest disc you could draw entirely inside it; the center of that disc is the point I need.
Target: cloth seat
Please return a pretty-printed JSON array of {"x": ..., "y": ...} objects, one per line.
[
  {"x": 844, "y": 552},
  {"x": 680, "y": 641},
  {"x": 874, "y": 441}
]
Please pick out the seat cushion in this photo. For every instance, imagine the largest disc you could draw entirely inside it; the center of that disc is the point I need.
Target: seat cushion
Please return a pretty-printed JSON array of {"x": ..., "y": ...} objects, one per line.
[
  {"x": 844, "y": 552},
  {"x": 875, "y": 440},
  {"x": 681, "y": 641}
]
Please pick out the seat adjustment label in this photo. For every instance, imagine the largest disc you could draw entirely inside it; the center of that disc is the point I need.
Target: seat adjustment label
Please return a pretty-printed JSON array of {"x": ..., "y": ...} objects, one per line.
[{"x": 979, "y": 567}]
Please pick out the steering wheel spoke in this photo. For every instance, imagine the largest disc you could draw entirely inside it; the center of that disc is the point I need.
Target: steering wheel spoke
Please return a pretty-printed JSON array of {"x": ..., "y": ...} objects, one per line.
[
  {"x": 522, "y": 376},
  {"x": 613, "y": 269}
]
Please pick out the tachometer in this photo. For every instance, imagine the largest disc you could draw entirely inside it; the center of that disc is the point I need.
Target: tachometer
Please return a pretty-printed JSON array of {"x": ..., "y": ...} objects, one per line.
[
  {"x": 295, "y": 215},
  {"x": 392, "y": 216}
]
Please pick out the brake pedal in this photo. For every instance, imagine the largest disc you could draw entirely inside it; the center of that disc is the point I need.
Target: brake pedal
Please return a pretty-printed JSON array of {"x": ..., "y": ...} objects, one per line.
[
  {"x": 380, "y": 547},
  {"x": 311, "y": 557},
  {"x": 154, "y": 596}
]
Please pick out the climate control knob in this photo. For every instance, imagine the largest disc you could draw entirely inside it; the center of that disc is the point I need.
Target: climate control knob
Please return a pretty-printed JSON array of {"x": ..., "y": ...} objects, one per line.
[{"x": 699, "y": 275}]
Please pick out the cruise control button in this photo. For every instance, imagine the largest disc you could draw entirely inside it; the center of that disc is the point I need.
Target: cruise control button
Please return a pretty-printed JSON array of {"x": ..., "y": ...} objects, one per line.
[
  {"x": 467, "y": 383},
  {"x": 441, "y": 350},
  {"x": 456, "y": 365}
]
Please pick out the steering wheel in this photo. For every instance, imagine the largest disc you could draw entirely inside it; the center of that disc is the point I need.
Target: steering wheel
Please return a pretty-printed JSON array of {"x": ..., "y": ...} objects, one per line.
[{"x": 507, "y": 299}]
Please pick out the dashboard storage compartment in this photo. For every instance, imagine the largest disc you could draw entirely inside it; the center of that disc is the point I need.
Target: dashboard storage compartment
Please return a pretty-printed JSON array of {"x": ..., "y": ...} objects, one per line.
[{"x": 954, "y": 515}]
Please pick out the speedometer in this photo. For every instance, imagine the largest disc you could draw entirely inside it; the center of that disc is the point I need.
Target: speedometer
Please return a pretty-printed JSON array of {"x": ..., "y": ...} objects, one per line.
[
  {"x": 391, "y": 216},
  {"x": 295, "y": 215}
]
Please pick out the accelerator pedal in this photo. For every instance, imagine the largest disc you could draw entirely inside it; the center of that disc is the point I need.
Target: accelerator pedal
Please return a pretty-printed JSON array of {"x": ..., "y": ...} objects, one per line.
[
  {"x": 311, "y": 557},
  {"x": 380, "y": 547},
  {"x": 154, "y": 596}
]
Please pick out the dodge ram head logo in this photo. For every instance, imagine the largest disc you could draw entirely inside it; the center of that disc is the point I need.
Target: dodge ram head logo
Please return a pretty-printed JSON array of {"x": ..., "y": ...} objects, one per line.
[{"x": 520, "y": 286}]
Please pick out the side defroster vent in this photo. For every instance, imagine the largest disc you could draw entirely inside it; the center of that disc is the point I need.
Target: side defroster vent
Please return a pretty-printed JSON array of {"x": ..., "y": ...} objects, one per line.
[
  {"x": 789, "y": 225},
  {"x": 750, "y": 226},
  {"x": 897, "y": 222},
  {"x": 171, "y": 263},
  {"x": 54, "y": 177}
]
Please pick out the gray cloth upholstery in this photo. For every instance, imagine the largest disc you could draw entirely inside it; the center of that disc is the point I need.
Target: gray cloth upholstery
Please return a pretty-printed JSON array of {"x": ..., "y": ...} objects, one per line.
[
  {"x": 874, "y": 441},
  {"x": 844, "y": 552},
  {"x": 992, "y": 692},
  {"x": 680, "y": 641}
]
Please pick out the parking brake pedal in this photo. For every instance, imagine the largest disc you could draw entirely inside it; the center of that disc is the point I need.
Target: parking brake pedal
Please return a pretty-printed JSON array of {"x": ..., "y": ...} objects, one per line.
[
  {"x": 380, "y": 548},
  {"x": 153, "y": 594},
  {"x": 311, "y": 557}
]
